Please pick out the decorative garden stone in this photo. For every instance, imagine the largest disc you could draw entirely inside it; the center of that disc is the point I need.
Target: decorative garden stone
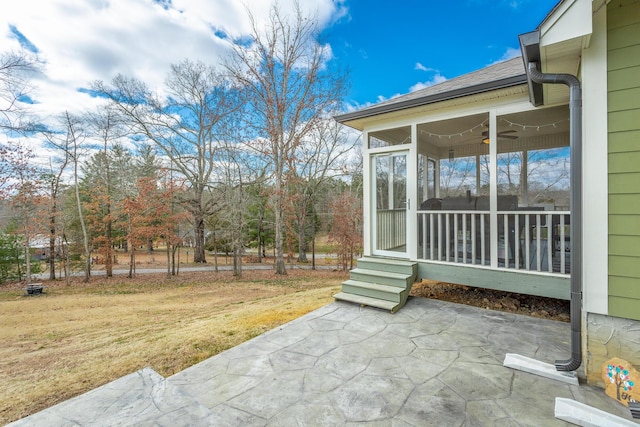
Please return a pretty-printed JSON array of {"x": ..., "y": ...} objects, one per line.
[{"x": 622, "y": 381}]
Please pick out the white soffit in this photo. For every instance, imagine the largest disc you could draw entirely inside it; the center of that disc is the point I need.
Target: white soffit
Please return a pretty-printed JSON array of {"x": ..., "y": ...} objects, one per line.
[{"x": 572, "y": 19}]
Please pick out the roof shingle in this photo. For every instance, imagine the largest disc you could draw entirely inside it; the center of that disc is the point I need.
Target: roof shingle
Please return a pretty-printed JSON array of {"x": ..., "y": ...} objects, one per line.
[{"x": 501, "y": 74}]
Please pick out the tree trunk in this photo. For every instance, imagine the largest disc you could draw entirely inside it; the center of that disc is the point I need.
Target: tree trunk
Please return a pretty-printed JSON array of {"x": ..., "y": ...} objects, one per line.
[
  {"x": 52, "y": 240},
  {"x": 85, "y": 236},
  {"x": 27, "y": 262},
  {"x": 313, "y": 243},
  {"x": 279, "y": 217},
  {"x": 174, "y": 248},
  {"x": 237, "y": 263},
  {"x": 302, "y": 242},
  {"x": 215, "y": 251},
  {"x": 198, "y": 252},
  {"x": 132, "y": 261},
  {"x": 168, "y": 245},
  {"x": 108, "y": 254},
  {"x": 65, "y": 259}
]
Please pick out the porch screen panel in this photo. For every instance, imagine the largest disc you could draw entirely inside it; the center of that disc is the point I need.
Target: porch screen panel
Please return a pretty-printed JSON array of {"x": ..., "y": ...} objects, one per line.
[
  {"x": 391, "y": 202},
  {"x": 533, "y": 190}
]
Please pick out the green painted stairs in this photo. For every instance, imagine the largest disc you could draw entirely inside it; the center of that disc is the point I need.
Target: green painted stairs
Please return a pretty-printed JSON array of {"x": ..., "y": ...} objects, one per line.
[{"x": 379, "y": 282}]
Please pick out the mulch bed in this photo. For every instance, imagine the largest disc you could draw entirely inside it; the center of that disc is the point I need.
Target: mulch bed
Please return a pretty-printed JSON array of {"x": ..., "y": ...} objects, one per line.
[{"x": 547, "y": 308}]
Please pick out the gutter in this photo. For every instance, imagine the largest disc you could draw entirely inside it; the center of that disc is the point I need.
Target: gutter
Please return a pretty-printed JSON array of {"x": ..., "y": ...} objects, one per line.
[{"x": 531, "y": 55}]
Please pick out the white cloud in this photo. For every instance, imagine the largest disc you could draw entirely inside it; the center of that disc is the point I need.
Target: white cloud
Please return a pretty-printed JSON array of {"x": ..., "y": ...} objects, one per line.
[
  {"x": 510, "y": 53},
  {"x": 421, "y": 67},
  {"x": 96, "y": 39},
  {"x": 438, "y": 78}
]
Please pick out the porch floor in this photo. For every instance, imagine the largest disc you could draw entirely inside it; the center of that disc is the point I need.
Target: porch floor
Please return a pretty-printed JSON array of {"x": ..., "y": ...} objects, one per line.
[{"x": 432, "y": 363}]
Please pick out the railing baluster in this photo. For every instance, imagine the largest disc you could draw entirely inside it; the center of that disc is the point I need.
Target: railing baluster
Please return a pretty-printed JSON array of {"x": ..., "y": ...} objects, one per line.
[
  {"x": 473, "y": 238},
  {"x": 447, "y": 238},
  {"x": 562, "y": 248},
  {"x": 431, "y": 237},
  {"x": 505, "y": 220},
  {"x": 527, "y": 237},
  {"x": 463, "y": 217},
  {"x": 455, "y": 237},
  {"x": 516, "y": 241},
  {"x": 439, "y": 237},
  {"x": 538, "y": 236},
  {"x": 549, "y": 244},
  {"x": 482, "y": 239}
]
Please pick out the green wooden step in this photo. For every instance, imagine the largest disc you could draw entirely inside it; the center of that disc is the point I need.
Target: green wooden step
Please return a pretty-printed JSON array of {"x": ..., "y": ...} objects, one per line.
[
  {"x": 371, "y": 302},
  {"x": 372, "y": 290},
  {"x": 387, "y": 264},
  {"x": 381, "y": 277}
]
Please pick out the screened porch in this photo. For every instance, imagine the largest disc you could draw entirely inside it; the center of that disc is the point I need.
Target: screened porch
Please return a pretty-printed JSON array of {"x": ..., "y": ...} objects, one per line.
[{"x": 494, "y": 198}]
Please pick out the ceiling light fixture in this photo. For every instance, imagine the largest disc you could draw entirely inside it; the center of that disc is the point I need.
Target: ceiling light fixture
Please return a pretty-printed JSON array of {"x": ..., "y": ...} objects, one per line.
[{"x": 486, "y": 140}]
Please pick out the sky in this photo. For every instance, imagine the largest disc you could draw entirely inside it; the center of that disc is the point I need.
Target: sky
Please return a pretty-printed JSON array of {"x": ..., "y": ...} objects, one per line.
[{"x": 389, "y": 48}]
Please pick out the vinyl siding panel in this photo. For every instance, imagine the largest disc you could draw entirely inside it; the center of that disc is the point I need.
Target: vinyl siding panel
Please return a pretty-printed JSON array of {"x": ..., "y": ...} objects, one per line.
[
  {"x": 626, "y": 308},
  {"x": 622, "y": 36},
  {"x": 624, "y": 57},
  {"x": 619, "y": 183},
  {"x": 626, "y": 225},
  {"x": 628, "y": 99},
  {"x": 622, "y": 121},
  {"x": 624, "y": 163},
  {"x": 624, "y": 142},
  {"x": 625, "y": 78},
  {"x": 624, "y": 204},
  {"x": 624, "y": 245},
  {"x": 623, "y": 103},
  {"x": 624, "y": 287}
]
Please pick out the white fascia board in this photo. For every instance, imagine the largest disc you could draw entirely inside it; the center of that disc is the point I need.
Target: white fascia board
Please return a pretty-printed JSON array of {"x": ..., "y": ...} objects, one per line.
[{"x": 572, "y": 19}]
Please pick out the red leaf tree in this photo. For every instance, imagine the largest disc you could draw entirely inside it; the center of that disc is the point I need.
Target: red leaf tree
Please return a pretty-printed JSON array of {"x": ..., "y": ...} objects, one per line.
[{"x": 346, "y": 228}]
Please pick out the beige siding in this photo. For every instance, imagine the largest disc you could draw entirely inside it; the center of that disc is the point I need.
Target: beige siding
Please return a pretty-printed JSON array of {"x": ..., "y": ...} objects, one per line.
[{"x": 623, "y": 65}]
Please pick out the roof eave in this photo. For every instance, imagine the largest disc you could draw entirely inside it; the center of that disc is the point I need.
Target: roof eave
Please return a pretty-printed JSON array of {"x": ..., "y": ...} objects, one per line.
[
  {"x": 530, "y": 48},
  {"x": 430, "y": 99}
]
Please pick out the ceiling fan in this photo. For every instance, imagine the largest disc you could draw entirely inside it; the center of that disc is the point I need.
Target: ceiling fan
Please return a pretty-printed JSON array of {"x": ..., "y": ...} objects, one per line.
[{"x": 506, "y": 134}]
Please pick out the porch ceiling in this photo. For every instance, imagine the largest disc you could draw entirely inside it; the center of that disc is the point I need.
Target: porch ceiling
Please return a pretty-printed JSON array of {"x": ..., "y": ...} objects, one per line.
[{"x": 467, "y": 131}]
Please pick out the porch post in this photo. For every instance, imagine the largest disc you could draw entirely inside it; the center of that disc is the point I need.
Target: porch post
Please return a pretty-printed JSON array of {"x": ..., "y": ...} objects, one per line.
[
  {"x": 477, "y": 174},
  {"x": 367, "y": 223},
  {"x": 412, "y": 194},
  {"x": 493, "y": 187},
  {"x": 436, "y": 181}
]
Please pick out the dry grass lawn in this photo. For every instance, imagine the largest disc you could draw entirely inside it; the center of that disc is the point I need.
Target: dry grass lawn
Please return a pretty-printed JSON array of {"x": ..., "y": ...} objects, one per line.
[{"x": 76, "y": 338}]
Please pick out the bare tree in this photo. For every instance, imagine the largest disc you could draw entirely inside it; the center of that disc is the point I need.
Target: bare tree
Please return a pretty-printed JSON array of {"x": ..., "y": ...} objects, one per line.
[
  {"x": 187, "y": 125},
  {"x": 24, "y": 189},
  {"x": 322, "y": 155},
  {"x": 289, "y": 88},
  {"x": 456, "y": 176},
  {"x": 16, "y": 72},
  {"x": 54, "y": 180},
  {"x": 75, "y": 134}
]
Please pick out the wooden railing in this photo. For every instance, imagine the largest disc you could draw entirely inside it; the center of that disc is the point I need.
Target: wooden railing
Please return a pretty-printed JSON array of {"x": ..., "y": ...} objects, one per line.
[
  {"x": 524, "y": 240},
  {"x": 391, "y": 229}
]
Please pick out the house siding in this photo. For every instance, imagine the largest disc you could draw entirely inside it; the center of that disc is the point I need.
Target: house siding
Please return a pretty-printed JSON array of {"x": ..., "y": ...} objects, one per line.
[{"x": 623, "y": 82}]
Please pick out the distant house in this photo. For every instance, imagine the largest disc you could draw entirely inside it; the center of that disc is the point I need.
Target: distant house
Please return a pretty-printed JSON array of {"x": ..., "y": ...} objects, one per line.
[{"x": 494, "y": 179}]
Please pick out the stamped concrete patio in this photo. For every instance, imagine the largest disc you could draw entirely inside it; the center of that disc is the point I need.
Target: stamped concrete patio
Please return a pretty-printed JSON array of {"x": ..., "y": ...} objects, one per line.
[{"x": 432, "y": 363}]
